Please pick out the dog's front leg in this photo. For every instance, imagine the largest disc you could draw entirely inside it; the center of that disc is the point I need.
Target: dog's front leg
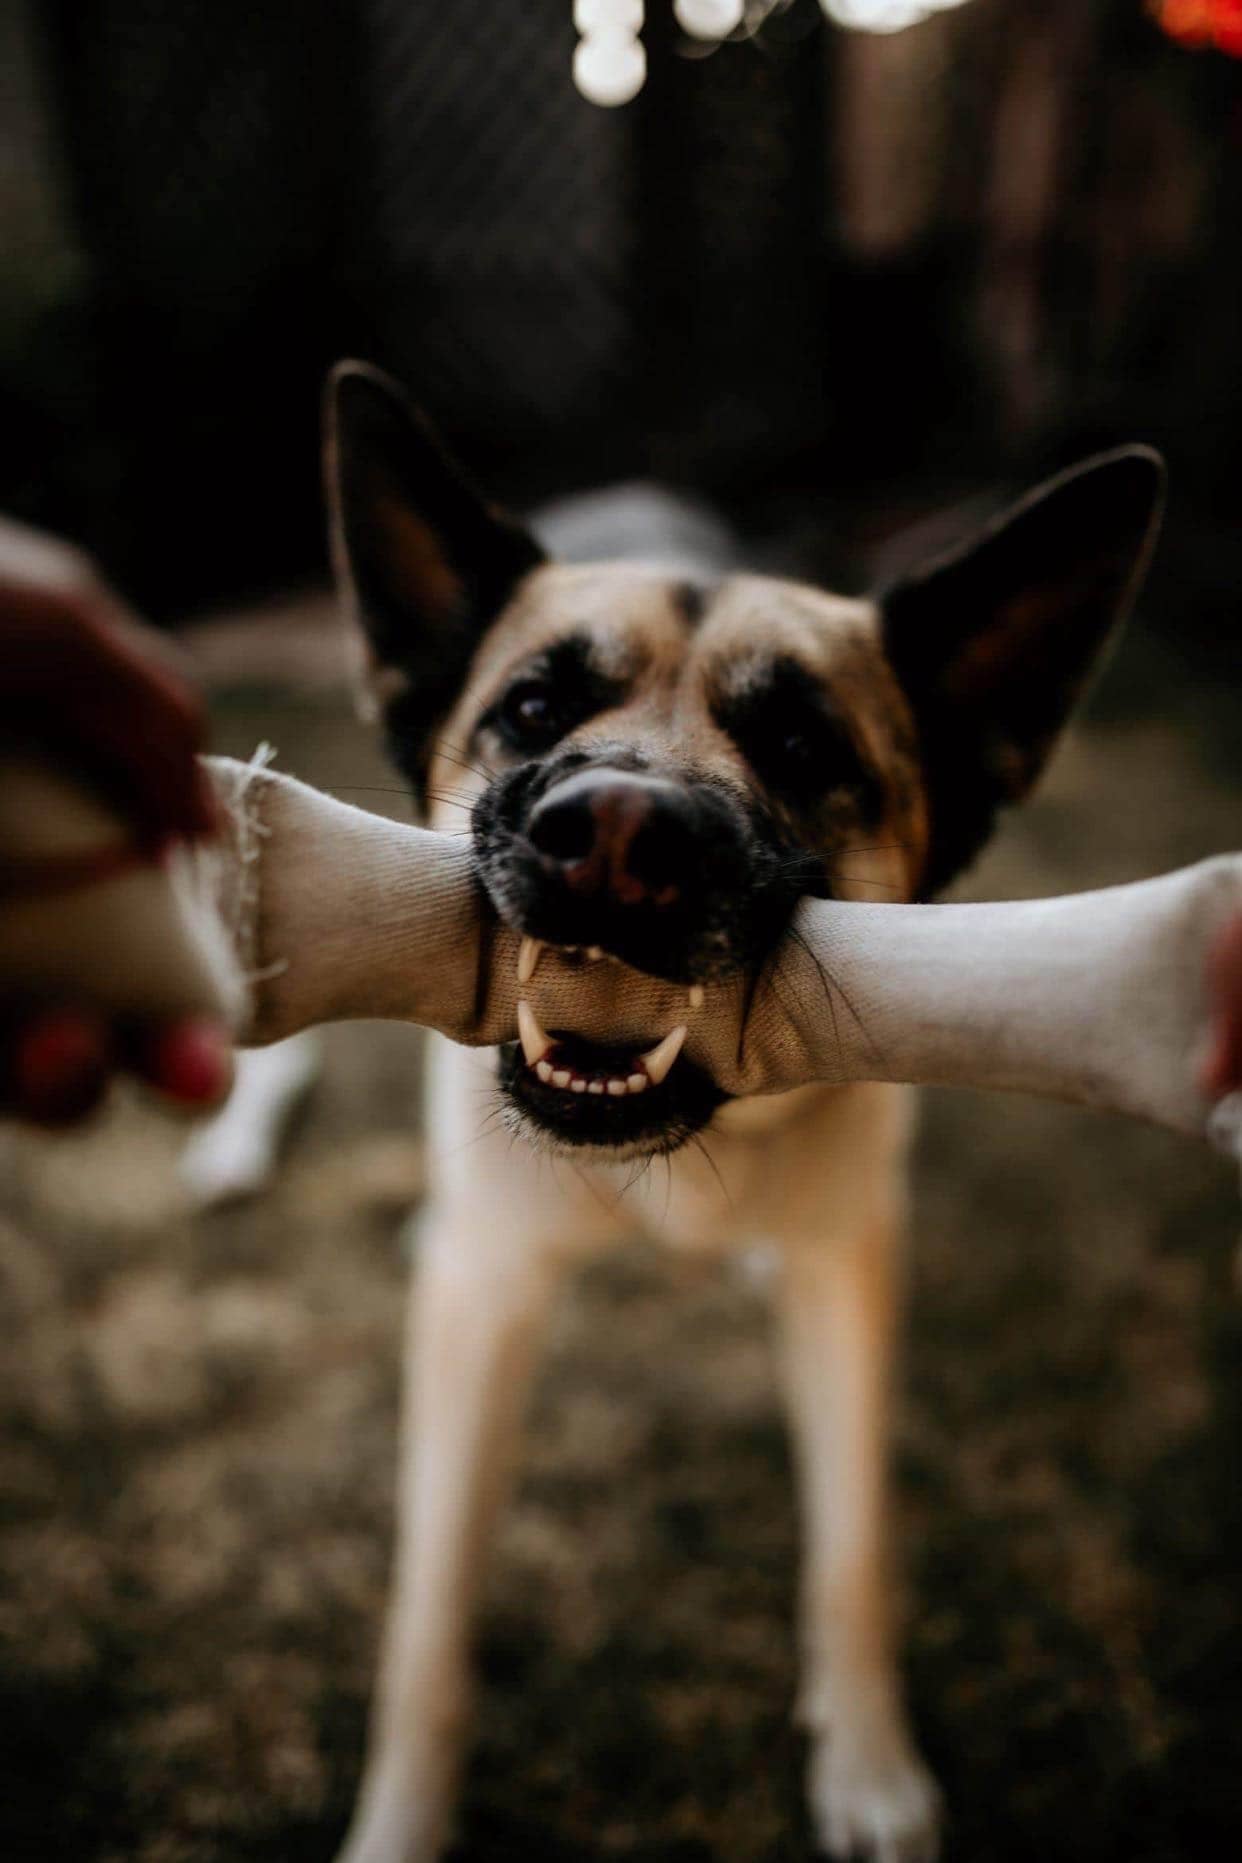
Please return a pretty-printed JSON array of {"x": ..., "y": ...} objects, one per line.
[
  {"x": 480, "y": 1295},
  {"x": 870, "y": 1794}
]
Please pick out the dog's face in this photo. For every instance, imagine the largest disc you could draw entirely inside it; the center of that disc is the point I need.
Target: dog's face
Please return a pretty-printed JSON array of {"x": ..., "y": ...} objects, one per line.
[
  {"x": 666, "y": 769},
  {"x": 657, "y": 769}
]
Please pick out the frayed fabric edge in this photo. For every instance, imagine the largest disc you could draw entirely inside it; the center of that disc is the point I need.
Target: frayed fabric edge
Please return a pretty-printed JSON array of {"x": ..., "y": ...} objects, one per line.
[{"x": 228, "y": 880}]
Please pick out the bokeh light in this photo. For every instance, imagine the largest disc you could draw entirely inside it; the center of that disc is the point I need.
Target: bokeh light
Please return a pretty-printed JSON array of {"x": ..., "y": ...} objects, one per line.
[
  {"x": 883, "y": 15},
  {"x": 1200, "y": 23}
]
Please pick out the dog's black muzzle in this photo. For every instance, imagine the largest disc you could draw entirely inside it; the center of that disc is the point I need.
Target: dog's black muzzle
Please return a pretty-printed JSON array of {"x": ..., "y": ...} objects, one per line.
[{"x": 673, "y": 872}]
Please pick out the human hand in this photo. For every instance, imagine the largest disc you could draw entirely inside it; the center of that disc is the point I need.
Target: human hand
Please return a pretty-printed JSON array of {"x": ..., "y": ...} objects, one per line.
[{"x": 99, "y": 781}]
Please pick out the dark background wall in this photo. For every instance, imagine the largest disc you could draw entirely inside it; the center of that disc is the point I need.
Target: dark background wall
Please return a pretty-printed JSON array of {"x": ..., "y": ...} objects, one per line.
[{"x": 831, "y": 278}]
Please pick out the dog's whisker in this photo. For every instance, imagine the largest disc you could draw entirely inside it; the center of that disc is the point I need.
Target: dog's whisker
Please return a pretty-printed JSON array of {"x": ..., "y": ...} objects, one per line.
[
  {"x": 458, "y": 797},
  {"x": 609, "y": 1208},
  {"x": 798, "y": 938},
  {"x": 485, "y": 1131},
  {"x": 375, "y": 789},
  {"x": 696, "y": 1140},
  {"x": 778, "y": 962},
  {"x": 640, "y": 1169},
  {"x": 458, "y": 789},
  {"x": 830, "y": 985},
  {"x": 455, "y": 754}
]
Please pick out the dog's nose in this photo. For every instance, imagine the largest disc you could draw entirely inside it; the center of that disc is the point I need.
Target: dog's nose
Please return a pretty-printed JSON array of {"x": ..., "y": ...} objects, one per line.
[{"x": 617, "y": 835}]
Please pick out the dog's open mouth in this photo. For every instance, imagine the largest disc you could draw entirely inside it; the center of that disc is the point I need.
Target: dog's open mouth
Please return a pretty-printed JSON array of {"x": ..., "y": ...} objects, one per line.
[{"x": 646, "y": 1099}]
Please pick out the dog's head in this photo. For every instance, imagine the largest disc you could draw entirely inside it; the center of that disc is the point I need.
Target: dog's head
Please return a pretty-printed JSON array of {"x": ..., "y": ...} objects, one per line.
[{"x": 657, "y": 768}]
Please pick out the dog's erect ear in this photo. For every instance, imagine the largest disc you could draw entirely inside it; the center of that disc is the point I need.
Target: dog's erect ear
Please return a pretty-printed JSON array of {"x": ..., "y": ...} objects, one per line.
[
  {"x": 994, "y": 642},
  {"x": 424, "y": 562}
]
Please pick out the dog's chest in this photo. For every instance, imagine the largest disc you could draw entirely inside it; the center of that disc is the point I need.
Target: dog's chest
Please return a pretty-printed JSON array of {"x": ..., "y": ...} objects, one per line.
[{"x": 802, "y": 1163}]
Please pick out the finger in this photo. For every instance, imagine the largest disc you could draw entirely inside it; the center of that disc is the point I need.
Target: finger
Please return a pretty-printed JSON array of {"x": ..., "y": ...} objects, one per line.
[
  {"x": 1221, "y": 1072},
  {"x": 83, "y": 681},
  {"x": 55, "y": 1066},
  {"x": 189, "y": 1060}
]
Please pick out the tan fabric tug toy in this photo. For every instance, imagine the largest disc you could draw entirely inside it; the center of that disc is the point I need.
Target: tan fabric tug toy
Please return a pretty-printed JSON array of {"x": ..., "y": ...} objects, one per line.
[
  {"x": 1097, "y": 997},
  {"x": 308, "y": 910}
]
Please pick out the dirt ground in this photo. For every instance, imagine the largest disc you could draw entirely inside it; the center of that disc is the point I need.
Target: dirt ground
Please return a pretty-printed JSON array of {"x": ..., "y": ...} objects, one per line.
[{"x": 197, "y": 1447}]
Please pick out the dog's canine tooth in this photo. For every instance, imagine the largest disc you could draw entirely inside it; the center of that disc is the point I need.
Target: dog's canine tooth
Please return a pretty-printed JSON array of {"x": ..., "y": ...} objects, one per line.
[
  {"x": 535, "y": 1043},
  {"x": 696, "y": 995},
  {"x": 659, "y": 1059},
  {"x": 528, "y": 958}
]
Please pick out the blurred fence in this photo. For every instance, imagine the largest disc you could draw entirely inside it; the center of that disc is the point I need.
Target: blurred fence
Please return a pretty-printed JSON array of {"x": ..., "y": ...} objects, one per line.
[{"x": 798, "y": 267}]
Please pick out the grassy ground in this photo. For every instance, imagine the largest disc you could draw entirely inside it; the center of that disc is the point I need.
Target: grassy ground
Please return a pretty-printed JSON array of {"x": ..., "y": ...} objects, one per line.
[{"x": 197, "y": 1446}]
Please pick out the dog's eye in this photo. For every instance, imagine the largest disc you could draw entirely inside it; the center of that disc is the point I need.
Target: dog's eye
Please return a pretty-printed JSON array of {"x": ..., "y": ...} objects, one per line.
[
  {"x": 795, "y": 759},
  {"x": 531, "y": 715},
  {"x": 551, "y": 696},
  {"x": 800, "y": 749},
  {"x": 808, "y": 761}
]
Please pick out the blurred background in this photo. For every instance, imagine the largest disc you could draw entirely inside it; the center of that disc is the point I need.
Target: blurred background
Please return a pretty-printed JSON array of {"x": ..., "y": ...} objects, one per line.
[{"x": 853, "y": 286}]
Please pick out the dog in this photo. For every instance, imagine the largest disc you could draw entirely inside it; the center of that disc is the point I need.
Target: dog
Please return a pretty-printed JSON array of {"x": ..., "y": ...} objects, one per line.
[{"x": 656, "y": 759}]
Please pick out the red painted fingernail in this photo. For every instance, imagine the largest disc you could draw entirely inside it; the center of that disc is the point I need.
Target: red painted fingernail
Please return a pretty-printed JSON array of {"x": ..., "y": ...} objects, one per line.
[
  {"x": 190, "y": 1061},
  {"x": 60, "y": 1065}
]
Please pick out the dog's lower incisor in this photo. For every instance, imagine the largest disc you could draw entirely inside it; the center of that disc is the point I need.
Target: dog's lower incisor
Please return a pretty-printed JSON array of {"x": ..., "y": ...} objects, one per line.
[{"x": 656, "y": 757}]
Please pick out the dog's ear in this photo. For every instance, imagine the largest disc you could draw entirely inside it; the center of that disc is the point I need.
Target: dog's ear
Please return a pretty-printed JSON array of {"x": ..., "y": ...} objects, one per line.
[
  {"x": 425, "y": 564},
  {"x": 995, "y": 641}
]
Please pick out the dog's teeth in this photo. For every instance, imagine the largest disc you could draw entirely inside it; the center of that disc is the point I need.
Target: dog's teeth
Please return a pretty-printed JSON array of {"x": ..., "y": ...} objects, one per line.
[
  {"x": 659, "y": 1059},
  {"x": 528, "y": 957},
  {"x": 696, "y": 995},
  {"x": 560, "y": 1077},
  {"x": 544, "y": 1070},
  {"x": 637, "y": 1083},
  {"x": 595, "y": 1086},
  {"x": 535, "y": 1043},
  {"x": 617, "y": 1087},
  {"x": 595, "y": 952},
  {"x": 577, "y": 1084}
]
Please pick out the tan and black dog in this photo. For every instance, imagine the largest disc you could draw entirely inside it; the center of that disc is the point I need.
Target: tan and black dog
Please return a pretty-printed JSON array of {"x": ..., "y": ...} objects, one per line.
[{"x": 655, "y": 763}]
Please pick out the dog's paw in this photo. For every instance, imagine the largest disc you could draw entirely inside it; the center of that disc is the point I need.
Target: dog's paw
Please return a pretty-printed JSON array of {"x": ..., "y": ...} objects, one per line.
[
  {"x": 382, "y": 1840},
  {"x": 404, "y": 1812},
  {"x": 872, "y": 1798}
]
